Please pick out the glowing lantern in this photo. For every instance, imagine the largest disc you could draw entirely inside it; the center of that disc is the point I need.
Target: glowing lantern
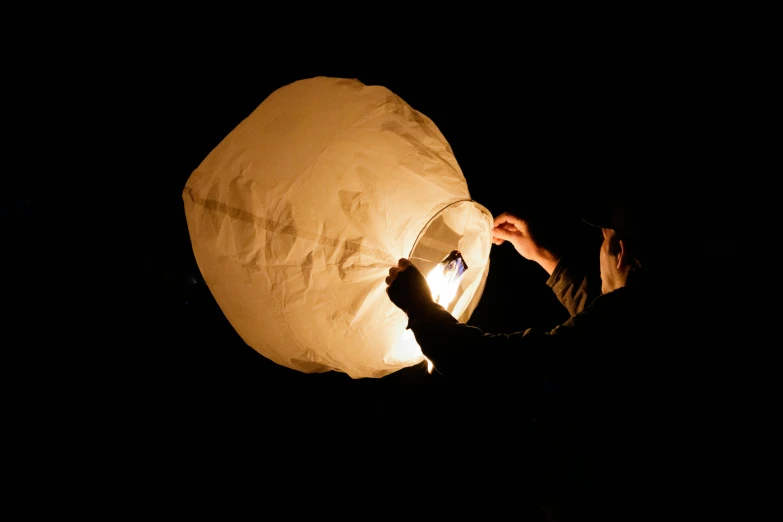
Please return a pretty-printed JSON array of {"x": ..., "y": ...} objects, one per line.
[{"x": 298, "y": 214}]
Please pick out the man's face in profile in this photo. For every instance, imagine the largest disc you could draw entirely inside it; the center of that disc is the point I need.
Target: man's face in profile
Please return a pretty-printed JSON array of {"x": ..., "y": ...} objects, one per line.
[{"x": 610, "y": 274}]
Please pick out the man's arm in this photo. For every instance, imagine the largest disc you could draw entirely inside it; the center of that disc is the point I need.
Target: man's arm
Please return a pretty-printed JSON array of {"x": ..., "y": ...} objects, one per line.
[
  {"x": 575, "y": 279},
  {"x": 456, "y": 348},
  {"x": 576, "y": 282}
]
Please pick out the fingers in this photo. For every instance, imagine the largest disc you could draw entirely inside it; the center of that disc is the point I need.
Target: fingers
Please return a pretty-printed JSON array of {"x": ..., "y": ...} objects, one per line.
[
  {"x": 495, "y": 239},
  {"x": 508, "y": 227},
  {"x": 392, "y": 275},
  {"x": 501, "y": 234},
  {"x": 402, "y": 264},
  {"x": 509, "y": 219}
]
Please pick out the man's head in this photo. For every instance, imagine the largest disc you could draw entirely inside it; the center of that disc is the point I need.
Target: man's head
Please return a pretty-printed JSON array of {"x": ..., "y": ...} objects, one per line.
[
  {"x": 617, "y": 261},
  {"x": 626, "y": 244}
]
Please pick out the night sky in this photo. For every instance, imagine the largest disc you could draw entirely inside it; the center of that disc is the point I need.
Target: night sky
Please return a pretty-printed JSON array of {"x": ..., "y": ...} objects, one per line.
[
  {"x": 541, "y": 137},
  {"x": 542, "y": 148}
]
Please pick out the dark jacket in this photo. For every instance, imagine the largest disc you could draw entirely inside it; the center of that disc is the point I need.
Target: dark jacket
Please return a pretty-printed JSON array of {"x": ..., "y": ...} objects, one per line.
[
  {"x": 601, "y": 330},
  {"x": 602, "y": 365}
]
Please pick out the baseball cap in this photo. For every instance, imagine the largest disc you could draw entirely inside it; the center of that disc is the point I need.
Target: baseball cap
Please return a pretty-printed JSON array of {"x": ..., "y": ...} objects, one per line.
[{"x": 631, "y": 215}]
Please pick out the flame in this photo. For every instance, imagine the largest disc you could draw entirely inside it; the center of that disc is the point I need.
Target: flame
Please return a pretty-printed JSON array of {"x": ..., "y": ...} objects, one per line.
[
  {"x": 443, "y": 287},
  {"x": 430, "y": 366}
]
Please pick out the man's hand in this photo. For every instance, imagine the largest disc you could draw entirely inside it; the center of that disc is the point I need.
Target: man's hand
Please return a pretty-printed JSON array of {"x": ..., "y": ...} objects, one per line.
[
  {"x": 510, "y": 228},
  {"x": 407, "y": 287}
]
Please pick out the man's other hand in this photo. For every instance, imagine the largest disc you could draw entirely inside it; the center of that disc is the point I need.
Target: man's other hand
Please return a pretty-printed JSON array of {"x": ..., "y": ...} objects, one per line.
[
  {"x": 407, "y": 287},
  {"x": 509, "y": 227}
]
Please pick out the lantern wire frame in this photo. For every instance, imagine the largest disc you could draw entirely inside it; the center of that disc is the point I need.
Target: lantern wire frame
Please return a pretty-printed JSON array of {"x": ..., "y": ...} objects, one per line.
[
  {"x": 427, "y": 253},
  {"x": 460, "y": 308}
]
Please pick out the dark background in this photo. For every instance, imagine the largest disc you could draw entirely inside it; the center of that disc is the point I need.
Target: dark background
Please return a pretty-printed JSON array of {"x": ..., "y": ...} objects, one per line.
[
  {"x": 538, "y": 131},
  {"x": 542, "y": 145},
  {"x": 541, "y": 140}
]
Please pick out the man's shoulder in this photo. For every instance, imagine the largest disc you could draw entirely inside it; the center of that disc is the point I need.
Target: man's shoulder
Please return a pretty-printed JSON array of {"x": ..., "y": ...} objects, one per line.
[
  {"x": 622, "y": 306},
  {"x": 609, "y": 301}
]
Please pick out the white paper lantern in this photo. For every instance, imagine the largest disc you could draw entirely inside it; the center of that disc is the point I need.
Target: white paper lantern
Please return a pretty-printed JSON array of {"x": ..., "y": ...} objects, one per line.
[{"x": 298, "y": 214}]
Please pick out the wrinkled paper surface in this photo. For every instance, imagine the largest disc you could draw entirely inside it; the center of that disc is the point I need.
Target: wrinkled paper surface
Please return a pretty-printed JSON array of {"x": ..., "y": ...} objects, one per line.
[{"x": 297, "y": 215}]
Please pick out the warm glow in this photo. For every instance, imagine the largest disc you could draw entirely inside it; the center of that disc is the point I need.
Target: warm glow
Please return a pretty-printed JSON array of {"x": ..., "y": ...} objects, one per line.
[
  {"x": 443, "y": 290},
  {"x": 407, "y": 349},
  {"x": 444, "y": 279},
  {"x": 297, "y": 214}
]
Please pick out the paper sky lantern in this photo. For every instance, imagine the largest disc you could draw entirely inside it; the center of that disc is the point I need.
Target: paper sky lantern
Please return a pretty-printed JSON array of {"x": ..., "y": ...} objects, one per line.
[{"x": 298, "y": 214}]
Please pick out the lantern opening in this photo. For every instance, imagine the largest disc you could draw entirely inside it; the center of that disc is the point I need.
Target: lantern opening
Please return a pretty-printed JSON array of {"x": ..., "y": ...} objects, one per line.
[{"x": 458, "y": 232}]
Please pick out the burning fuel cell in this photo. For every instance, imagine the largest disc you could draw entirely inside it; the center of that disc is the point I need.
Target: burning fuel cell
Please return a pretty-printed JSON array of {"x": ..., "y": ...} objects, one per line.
[{"x": 444, "y": 279}]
